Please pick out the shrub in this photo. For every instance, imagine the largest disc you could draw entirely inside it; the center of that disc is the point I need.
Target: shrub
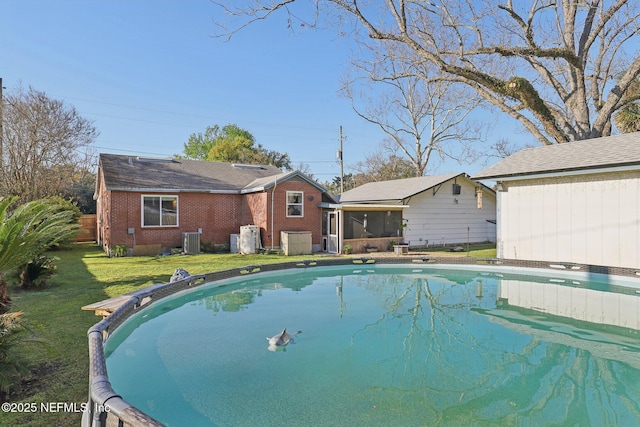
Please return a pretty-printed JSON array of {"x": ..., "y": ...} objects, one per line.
[
  {"x": 207, "y": 247},
  {"x": 13, "y": 335},
  {"x": 27, "y": 232},
  {"x": 62, "y": 205},
  {"x": 213, "y": 248},
  {"x": 35, "y": 273},
  {"x": 120, "y": 250}
]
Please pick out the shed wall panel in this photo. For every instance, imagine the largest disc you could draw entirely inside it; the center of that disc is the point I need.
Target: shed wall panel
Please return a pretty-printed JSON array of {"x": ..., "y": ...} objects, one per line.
[{"x": 589, "y": 219}]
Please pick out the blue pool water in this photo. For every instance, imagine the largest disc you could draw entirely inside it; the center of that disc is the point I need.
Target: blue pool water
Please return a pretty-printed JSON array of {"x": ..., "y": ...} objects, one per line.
[{"x": 385, "y": 345}]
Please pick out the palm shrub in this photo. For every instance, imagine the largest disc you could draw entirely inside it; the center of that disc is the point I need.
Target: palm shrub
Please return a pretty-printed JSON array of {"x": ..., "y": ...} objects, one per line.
[
  {"x": 26, "y": 232},
  {"x": 13, "y": 334},
  {"x": 35, "y": 273}
]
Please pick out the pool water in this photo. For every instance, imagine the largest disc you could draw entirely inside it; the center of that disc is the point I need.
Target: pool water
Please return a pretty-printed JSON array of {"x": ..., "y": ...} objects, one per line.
[{"x": 383, "y": 345}]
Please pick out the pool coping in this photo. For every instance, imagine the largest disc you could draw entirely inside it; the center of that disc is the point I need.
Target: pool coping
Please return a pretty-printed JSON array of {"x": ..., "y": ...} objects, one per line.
[{"x": 105, "y": 406}]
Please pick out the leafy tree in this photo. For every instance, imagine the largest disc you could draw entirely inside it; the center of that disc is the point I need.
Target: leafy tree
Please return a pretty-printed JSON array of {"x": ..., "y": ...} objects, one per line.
[
  {"x": 199, "y": 144},
  {"x": 628, "y": 118},
  {"x": 27, "y": 232},
  {"x": 44, "y": 144},
  {"x": 561, "y": 68},
  {"x": 232, "y": 144},
  {"x": 80, "y": 192},
  {"x": 334, "y": 185}
]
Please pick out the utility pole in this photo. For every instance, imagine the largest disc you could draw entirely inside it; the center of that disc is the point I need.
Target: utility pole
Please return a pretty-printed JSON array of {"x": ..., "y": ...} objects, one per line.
[{"x": 341, "y": 164}]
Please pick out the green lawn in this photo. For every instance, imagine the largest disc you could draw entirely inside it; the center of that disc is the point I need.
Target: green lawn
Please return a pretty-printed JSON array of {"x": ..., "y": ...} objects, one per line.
[{"x": 85, "y": 275}]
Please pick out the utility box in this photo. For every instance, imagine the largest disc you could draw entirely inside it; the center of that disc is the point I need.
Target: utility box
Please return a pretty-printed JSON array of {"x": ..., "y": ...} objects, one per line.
[
  {"x": 234, "y": 243},
  {"x": 191, "y": 243},
  {"x": 249, "y": 239},
  {"x": 295, "y": 242}
]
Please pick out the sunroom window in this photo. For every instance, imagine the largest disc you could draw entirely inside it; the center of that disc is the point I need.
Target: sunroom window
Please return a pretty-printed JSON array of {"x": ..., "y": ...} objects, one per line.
[
  {"x": 159, "y": 211},
  {"x": 295, "y": 203}
]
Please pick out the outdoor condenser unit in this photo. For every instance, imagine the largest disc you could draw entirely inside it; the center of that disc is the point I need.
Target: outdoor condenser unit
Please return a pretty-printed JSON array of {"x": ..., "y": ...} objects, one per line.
[{"x": 191, "y": 243}]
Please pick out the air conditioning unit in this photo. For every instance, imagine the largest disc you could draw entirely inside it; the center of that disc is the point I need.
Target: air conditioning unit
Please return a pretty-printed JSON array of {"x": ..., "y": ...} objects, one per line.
[{"x": 191, "y": 243}]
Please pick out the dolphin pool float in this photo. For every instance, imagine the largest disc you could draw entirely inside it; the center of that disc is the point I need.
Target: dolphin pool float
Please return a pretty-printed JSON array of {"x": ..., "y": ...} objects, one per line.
[{"x": 282, "y": 339}]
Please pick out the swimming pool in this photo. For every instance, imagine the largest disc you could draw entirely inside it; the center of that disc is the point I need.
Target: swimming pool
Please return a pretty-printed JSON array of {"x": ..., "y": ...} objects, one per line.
[{"x": 386, "y": 345}]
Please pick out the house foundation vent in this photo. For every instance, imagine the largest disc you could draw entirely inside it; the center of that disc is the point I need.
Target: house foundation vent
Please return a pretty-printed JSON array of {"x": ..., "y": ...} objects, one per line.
[{"x": 191, "y": 243}]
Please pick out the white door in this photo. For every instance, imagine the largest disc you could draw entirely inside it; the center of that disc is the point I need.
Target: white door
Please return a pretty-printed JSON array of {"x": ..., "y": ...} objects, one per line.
[{"x": 332, "y": 231}]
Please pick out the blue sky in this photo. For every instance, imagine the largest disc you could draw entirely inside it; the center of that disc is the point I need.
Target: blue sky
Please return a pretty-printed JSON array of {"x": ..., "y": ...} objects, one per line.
[{"x": 149, "y": 74}]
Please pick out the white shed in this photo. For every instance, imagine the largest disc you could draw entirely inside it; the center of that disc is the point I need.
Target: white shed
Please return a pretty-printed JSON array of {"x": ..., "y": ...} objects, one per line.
[
  {"x": 438, "y": 209},
  {"x": 575, "y": 202}
]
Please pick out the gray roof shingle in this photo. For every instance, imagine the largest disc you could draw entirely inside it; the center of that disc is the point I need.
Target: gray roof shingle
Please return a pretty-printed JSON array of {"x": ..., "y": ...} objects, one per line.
[
  {"x": 122, "y": 172},
  {"x": 611, "y": 151},
  {"x": 394, "y": 190}
]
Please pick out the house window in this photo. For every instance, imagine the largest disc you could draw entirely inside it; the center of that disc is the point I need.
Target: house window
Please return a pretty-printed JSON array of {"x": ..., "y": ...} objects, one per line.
[
  {"x": 294, "y": 203},
  {"x": 159, "y": 211}
]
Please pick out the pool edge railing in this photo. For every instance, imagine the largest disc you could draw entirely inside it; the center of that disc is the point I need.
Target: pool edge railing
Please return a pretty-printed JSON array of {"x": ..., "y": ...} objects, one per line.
[{"x": 106, "y": 407}]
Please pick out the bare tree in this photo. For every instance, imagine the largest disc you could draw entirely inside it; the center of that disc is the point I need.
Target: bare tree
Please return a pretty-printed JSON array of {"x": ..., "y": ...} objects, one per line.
[
  {"x": 46, "y": 146},
  {"x": 561, "y": 68},
  {"x": 415, "y": 106},
  {"x": 383, "y": 165}
]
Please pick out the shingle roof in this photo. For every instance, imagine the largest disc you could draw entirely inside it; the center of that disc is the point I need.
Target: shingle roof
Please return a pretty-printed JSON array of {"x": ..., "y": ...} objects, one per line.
[
  {"x": 123, "y": 172},
  {"x": 397, "y": 189},
  {"x": 611, "y": 151},
  {"x": 267, "y": 182}
]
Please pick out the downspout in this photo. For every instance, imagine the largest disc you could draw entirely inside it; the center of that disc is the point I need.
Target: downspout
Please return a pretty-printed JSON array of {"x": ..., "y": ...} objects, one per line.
[{"x": 273, "y": 192}]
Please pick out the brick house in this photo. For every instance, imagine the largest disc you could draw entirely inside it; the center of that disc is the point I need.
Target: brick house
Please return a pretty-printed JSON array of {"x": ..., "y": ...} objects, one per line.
[{"x": 147, "y": 204}]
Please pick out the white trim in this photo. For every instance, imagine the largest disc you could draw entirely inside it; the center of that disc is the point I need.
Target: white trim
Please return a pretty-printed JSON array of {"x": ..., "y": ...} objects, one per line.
[
  {"x": 361, "y": 206},
  {"x": 552, "y": 174},
  {"x": 295, "y": 204},
  {"x": 160, "y": 196}
]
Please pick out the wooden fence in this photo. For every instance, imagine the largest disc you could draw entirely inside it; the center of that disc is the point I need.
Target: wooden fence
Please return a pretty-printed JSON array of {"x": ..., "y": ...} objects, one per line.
[{"x": 87, "y": 229}]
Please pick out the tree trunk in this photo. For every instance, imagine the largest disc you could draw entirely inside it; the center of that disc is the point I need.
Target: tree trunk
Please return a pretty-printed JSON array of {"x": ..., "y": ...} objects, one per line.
[{"x": 5, "y": 299}]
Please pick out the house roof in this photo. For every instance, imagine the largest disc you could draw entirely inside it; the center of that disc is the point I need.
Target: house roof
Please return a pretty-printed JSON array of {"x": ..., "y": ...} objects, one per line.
[
  {"x": 396, "y": 190},
  {"x": 264, "y": 183},
  {"x": 598, "y": 153},
  {"x": 132, "y": 173}
]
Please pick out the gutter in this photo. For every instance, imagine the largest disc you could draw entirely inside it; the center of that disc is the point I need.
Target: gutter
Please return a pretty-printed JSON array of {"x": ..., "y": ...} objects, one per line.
[{"x": 560, "y": 172}]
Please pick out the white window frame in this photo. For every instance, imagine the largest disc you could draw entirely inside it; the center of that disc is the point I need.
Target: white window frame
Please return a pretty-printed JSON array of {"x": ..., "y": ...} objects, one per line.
[
  {"x": 301, "y": 204},
  {"x": 161, "y": 198}
]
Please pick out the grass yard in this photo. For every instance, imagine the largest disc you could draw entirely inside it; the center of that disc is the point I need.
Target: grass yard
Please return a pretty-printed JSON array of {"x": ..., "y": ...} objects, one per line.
[{"x": 59, "y": 372}]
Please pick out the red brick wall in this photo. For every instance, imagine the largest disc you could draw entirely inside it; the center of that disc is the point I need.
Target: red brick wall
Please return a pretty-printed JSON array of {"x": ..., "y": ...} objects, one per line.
[
  {"x": 256, "y": 211},
  {"x": 312, "y": 217},
  {"x": 218, "y": 215}
]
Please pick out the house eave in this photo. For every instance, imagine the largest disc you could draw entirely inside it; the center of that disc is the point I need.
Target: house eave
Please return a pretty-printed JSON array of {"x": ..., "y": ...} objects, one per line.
[
  {"x": 361, "y": 206},
  {"x": 560, "y": 172},
  {"x": 171, "y": 190}
]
